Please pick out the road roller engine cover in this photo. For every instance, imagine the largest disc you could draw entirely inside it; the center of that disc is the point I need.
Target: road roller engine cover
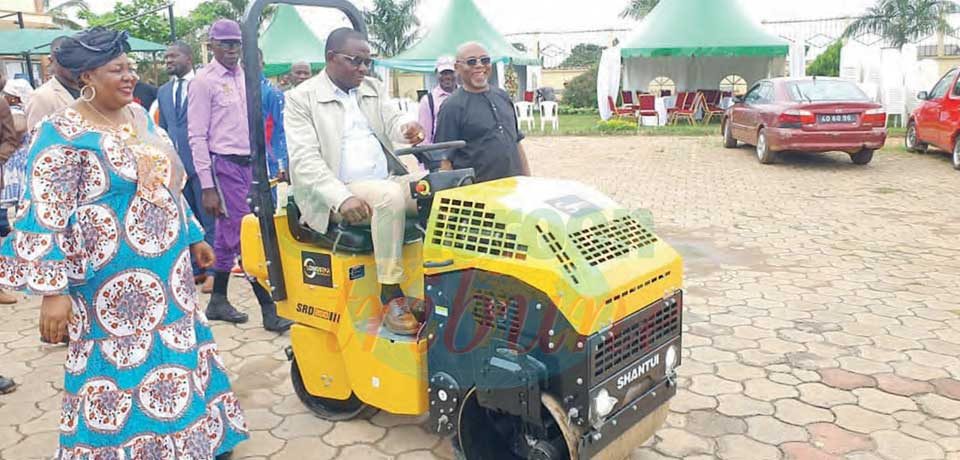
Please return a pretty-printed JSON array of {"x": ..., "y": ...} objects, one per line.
[{"x": 554, "y": 311}]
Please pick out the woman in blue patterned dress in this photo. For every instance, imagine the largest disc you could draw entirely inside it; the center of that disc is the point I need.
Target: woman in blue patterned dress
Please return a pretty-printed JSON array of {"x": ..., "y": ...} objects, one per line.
[{"x": 105, "y": 236}]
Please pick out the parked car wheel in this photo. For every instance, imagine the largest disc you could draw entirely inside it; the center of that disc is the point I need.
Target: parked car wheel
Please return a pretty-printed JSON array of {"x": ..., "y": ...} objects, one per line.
[
  {"x": 956, "y": 154},
  {"x": 911, "y": 141},
  {"x": 862, "y": 157},
  {"x": 729, "y": 141},
  {"x": 763, "y": 150}
]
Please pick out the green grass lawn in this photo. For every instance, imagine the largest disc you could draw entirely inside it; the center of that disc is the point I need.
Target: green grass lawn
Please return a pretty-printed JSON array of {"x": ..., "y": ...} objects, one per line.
[{"x": 586, "y": 125}]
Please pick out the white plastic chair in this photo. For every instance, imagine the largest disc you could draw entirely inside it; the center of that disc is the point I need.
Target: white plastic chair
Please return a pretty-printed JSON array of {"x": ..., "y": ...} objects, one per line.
[
  {"x": 524, "y": 112},
  {"x": 549, "y": 112},
  {"x": 895, "y": 103}
]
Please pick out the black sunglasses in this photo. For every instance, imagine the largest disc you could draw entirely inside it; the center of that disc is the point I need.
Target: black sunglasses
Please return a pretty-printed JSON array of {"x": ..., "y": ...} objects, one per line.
[
  {"x": 229, "y": 44},
  {"x": 485, "y": 60},
  {"x": 356, "y": 61}
]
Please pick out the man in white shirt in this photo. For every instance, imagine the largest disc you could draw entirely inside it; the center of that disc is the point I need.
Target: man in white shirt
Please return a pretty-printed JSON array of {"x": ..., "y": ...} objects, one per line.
[{"x": 340, "y": 133}]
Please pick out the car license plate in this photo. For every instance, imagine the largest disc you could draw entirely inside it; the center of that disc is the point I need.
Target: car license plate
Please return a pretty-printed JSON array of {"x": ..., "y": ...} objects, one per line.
[{"x": 837, "y": 118}]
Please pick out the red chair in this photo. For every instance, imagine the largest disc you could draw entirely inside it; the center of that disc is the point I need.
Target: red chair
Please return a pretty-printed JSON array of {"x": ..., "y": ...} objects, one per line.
[
  {"x": 619, "y": 111},
  {"x": 711, "y": 97},
  {"x": 710, "y": 102},
  {"x": 687, "y": 109},
  {"x": 647, "y": 106},
  {"x": 627, "y": 97},
  {"x": 680, "y": 100},
  {"x": 528, "y": 96}
]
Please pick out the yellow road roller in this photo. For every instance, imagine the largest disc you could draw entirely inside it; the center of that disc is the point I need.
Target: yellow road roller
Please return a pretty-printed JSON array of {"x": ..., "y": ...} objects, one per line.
[{"x": 551, "y": 319}]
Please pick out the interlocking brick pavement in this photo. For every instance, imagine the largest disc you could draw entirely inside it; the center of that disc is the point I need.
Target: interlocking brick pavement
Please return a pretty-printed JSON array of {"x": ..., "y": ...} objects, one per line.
[{"x": 821, "y": 315}]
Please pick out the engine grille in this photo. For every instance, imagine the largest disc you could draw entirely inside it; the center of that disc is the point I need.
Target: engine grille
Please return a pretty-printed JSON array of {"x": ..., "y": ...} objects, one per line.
[
  {"x": 496, "y": 312},
  {"x": 609, "y": 241},
  {"x": 561, "y": 254},
  {"x": 643, "y": 285},
  {"x": 466, "y": 225},
  {"x": 633, "y": 337}
]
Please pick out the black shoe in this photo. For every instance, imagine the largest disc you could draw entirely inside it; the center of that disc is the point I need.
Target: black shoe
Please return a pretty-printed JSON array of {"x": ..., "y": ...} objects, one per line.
[
  {"x": 219, "y": 309},
  {"x": 271, "y": 321},
  {"x": 7, "y": 385},
  {"x": 225, "y": 456}
]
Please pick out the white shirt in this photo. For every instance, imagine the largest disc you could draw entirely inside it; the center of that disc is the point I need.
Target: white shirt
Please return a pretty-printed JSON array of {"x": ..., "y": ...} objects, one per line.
[
  {"x": 362, "y": 155},
  {"x": 155, "y": 106},
  {"x": 182, "y": 81}
]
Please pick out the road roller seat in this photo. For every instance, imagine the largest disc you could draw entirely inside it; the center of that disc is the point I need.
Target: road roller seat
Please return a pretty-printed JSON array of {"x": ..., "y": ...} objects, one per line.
[{"x": 343, "y": 237}]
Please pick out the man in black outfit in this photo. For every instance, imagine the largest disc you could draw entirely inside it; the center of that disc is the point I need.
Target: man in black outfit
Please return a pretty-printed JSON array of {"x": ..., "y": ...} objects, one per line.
[{"x": 484, "y": 117}]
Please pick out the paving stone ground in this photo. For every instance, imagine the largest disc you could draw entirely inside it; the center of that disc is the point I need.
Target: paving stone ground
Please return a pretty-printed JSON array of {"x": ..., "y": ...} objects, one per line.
[{"x": 821, "y": 317}]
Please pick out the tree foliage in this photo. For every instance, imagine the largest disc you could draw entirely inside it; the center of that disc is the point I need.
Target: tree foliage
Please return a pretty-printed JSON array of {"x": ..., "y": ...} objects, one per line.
[
  {"x": 392, "y": 25},
  {"x": 60, "y": 14},
  {"x": 582, "y": 90},
  {"x": 900, "y": 22},
  {"x": 153, "y": 27},
  {"x": 638, "y": 9},
  {"x": 827, "y": 64},
  {"x": 583, "y": 55}
]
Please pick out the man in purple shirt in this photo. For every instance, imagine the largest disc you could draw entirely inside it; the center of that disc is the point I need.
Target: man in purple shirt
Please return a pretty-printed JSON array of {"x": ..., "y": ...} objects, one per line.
[
  {"x": 430, "y": 104},
  {"x": 219, "y": 140}
]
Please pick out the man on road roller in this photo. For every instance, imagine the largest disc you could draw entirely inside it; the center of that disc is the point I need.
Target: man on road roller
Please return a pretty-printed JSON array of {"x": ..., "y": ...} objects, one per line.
[
  {"x": 351, "y": 172},
  {"x": 552, "y": 315}
]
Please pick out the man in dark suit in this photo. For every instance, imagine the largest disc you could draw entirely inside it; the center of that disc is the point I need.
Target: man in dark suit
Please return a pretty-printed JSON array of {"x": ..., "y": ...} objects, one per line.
[{"x": 172, "y": 117}]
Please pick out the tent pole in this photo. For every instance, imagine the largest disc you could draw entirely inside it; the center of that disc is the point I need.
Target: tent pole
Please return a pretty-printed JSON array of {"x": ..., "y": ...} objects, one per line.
[
  {"x": 173, "y": 29},
  {"x": 30, "y": 75},
  {"x": 26, "y": 55}
]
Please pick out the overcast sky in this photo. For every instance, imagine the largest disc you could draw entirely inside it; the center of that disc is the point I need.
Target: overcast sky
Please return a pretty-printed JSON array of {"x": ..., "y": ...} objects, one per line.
[{"x": 511, "y": 16}]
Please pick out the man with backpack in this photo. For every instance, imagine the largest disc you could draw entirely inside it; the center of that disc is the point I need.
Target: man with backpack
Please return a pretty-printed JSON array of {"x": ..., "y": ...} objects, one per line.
[{"x": 430, "y": 104}]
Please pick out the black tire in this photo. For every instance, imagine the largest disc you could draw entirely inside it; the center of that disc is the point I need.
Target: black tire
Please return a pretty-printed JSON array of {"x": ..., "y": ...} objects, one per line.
[
  {"x": 911, "y": 141},
  {"x": 862, "y": 157},
  {"x": 729, "y": 141},
  {"x": 956, "y": 153},
  {"x": 763, "y": 149},
  {"x": 328, "y": 409}
]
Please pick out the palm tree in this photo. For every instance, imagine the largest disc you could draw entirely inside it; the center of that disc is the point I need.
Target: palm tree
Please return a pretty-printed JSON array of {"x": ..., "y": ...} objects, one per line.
[
  {"x": 392, "y": 25},
  {"x": 60, "y": 14},
  {"x": 638, "y": 9},
  {"x": 899, "y": 22}
]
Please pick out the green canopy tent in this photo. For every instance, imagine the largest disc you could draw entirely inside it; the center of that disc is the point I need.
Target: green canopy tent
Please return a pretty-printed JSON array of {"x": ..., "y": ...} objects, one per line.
[
  {"x": 37, "y": 41},
  {"x": 26, "y": 43},
  {"x": 697, "y": 43},
  {"x": 460, "y": 23},
  {"x": 289, "y": 40}
]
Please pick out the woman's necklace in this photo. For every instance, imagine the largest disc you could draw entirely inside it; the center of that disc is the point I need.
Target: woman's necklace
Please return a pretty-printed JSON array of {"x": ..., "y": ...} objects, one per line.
[{"x": 126, "y": 129}]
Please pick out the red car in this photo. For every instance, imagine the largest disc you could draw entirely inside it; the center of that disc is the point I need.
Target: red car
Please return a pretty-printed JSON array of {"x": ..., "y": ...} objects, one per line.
[
  {"x": 937, "y": 121},
  {"x": 807, "y": 115}
]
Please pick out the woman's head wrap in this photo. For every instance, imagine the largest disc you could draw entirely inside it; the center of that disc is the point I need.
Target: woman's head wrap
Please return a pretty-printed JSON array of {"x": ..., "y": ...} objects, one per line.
[{"x": 90, "y": 49}]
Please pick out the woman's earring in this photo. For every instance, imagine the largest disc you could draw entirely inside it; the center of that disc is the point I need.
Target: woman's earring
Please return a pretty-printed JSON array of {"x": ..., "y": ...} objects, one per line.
[{"x": 92, "y": 93}]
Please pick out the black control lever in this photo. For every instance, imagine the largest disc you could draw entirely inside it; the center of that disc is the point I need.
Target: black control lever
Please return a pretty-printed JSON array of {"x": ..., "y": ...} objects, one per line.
[{"x": 452, "y": 145}]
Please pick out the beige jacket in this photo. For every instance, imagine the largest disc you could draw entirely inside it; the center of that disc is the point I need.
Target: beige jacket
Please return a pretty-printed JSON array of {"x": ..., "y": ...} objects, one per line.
[
  {"x": 45, "y": 100},
  {"x": 313, "y": 121}
]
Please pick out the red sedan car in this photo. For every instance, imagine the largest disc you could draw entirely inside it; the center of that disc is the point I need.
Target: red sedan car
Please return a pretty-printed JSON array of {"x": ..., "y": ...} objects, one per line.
[
  {"x": 806, "y": 115},
  {"x": 937, "y": 121}
]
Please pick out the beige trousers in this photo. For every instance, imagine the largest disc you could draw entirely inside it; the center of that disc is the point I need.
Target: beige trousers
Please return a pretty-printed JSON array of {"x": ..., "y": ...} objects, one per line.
[{"x": 392, "y": 203}]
